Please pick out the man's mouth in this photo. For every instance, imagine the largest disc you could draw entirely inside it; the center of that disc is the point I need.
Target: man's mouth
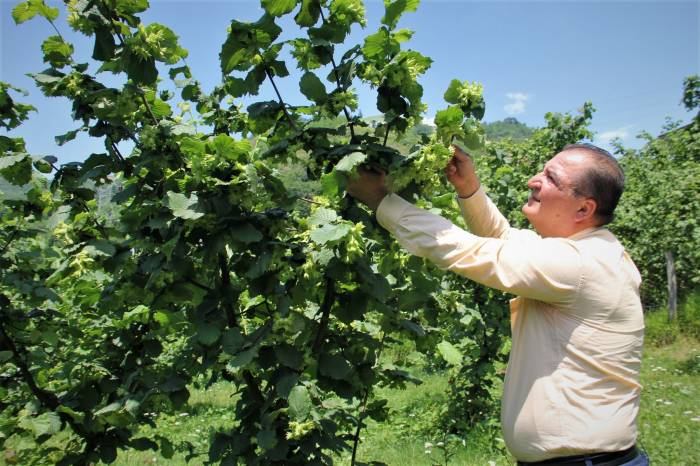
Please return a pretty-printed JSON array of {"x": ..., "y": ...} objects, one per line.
[{"x": 533, "y": 197}]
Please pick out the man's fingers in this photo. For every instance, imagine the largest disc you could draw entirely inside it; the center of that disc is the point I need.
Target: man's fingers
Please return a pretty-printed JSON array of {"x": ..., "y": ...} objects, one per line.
[{"x": 459, "y": 153}]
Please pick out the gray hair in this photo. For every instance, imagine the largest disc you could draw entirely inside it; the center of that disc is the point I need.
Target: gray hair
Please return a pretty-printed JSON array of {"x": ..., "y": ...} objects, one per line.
[{"x": 603, "y": 180}]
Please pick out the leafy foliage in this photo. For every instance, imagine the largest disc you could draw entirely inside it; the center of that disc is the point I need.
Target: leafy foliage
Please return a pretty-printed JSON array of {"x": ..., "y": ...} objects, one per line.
[
  {"x": 208, "y": 267},
  {"x": 658, "y": 211}
]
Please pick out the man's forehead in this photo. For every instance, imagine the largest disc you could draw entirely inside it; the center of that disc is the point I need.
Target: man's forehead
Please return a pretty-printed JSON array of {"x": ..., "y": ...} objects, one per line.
[{"x": 570, "y": 159}]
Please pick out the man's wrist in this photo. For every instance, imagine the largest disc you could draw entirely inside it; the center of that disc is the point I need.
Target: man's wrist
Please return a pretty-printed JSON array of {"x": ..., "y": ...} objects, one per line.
[{"x": 466, "y": 192}]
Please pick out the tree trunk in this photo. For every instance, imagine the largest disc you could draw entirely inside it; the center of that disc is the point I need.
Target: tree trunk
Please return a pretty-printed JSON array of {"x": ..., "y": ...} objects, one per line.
[{"x": 672, "y": 287}]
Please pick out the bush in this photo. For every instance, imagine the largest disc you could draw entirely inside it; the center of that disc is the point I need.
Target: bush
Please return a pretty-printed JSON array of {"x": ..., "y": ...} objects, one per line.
[
  {"x": 658, "y": 330},
  {"x": 689, "y": 315}
]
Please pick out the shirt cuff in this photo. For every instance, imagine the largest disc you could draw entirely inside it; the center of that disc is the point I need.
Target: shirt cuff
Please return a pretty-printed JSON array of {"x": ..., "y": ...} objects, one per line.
[
  {"x": 390, "y": 210},
  {"x": 474, "y": 204}
]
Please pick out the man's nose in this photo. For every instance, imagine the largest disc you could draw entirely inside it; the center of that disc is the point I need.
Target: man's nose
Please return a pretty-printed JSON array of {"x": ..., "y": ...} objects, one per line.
[{"x": 534, "y": 182}]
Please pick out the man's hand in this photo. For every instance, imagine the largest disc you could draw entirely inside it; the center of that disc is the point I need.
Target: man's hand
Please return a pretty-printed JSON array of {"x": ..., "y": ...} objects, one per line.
[
  {"x": 369, "y": 187},
  {"x": 460, "y": 172}
]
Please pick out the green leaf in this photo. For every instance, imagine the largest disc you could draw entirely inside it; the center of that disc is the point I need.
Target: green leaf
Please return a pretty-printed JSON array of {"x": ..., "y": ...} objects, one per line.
[
  {"x": 110, "y": 408},
  {"x": 330, "y": 184},
  {"x": 289, "y": 356},
  {"x": 267, "y": 439},
  {"x": 104, "y": 44},
  {"x": 56, "y": 51},
  {"x": 413, "y": 327},
  {"x": 141, "y": 70},
  {"x": 5, "y": 356},
  {"x": 245, "y": 233},
  {"x": 350, "y": 161},
  {"x": 322, "y": 216},
  {"x": 450, "y": 353},
  {"x": 232, "y": 341},
  {"x": 244, "y": 357},
  {"x": 312, "y": 87},
  {"x": 453, "y": 92},
  {"x": 334, "y": 366},
  {"x": 278, "y": 7},
  {"x": 395, "y": 9},
  {"x": 182, "y": 206},
  {"x": 285, "y": 384},
  {"x": 308, "y": 13},
  {"x": 299, "y": 403},
  {"x": 328, "y": 233},
  {"x": 377, "y": 44},
  {"x": 208, "y": 334},
  {"x": 166, "y": 447},
  {"x": 46, "y": 424},
  {"x": 450, "y": 117},
  {"x": 25, "y": 11}
]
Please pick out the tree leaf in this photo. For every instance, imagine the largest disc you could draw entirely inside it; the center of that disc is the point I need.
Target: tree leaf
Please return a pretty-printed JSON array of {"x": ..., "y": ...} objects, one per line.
[
  {"x": 450, "y": 353},
  {"x": 323, "y": 216},
  {"x": 413, "y": 327},
  {"x": 245, "y": 233},
  {"x": 299, "y": 402},
  {"x": 334, "y": 366},
  {"x": 46, "y": 424},
  {"x": 181, "y": 206},
  {"x": 452, "y": 93},
  {"x": 278, "y": 7},
  {"x": 350, "y": 161},
  {"x": 56, "y": 51},
  {"x": 5, "y": 356},
  {"x": 289, "y": 356},
  {"x": 376, "y": 44},
  {"x": 312, "y": 87},
  {"x": 308, "y": 13},
  {"x": 329, "y": 233},
  {"x": 208, "y": 334},
  {"x": 25, "y": 11},
  {"x": 267, "y": 439},
  {"x": 285, "y": 384},
  {"x": 395, "y": 9}
]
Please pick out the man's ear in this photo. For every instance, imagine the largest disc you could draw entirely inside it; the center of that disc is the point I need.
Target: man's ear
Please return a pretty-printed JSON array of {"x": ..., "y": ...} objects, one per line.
[{"x": 586, "y": 210}]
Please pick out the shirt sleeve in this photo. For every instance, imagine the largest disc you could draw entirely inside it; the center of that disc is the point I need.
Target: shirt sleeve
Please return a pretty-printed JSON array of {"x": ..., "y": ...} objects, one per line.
[
  {"x": 523, "y": 263},
  {"x": 482, "y": 216}
]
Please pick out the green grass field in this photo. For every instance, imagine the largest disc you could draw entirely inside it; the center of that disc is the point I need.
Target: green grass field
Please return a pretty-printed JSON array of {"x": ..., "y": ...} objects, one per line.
[{"x": 669, "y": 419}]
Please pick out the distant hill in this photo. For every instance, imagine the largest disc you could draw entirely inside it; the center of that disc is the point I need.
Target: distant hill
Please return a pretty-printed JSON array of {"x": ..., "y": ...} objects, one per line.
[{"x": 509, "y": 128}]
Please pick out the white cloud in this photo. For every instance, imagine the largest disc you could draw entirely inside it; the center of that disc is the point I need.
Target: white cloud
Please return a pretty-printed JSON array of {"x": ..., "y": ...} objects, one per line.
[
  {"x": 430, "y": 121},
  {"x": 518, "y": 104},
  {"x": 606, "y": 137}
]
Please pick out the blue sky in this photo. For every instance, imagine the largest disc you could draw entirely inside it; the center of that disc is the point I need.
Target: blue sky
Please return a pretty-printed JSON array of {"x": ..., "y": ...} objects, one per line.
[{"x": 628, "y": 57}]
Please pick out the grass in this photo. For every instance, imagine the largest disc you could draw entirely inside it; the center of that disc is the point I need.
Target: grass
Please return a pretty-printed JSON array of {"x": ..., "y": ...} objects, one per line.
[{"x": 669, "y": 421}]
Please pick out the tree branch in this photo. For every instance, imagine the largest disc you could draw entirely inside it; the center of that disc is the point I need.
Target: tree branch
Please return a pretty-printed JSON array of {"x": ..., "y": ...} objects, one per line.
[
  {"x": 309, "y": 200},
  {"x": 9, "y": 241},
  {"x": 328, "y": 300},
  {"x": 360, "y": 418},
  {"x": 279, "y": 96},
  {"x": 57, "y": 31},
  {"x": 148, "y": 107},
  {"x": 226, "y": 288},
  {"x": 351, "y": 126}
]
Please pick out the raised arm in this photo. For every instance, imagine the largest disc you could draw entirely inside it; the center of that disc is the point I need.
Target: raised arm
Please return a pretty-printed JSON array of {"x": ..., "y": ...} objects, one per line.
[
  {"x": 523, "y": 264},
  {"x": 480, "y": 214}
]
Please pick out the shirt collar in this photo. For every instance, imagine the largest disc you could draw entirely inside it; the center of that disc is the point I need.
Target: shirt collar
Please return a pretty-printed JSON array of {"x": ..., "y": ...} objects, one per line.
[{"x": 584, "y": 233}]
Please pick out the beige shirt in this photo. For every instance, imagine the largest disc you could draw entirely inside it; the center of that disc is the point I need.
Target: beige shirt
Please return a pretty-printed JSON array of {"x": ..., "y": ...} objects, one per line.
[{"x": 572, "y": 383}]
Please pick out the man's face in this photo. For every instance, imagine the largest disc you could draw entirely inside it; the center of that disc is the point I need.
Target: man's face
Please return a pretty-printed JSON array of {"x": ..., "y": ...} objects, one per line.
[{"x": 552, "y": 207}]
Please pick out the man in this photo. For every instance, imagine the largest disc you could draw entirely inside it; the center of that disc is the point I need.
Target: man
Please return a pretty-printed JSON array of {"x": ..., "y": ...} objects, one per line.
[{"x": 571, "y": 392}]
